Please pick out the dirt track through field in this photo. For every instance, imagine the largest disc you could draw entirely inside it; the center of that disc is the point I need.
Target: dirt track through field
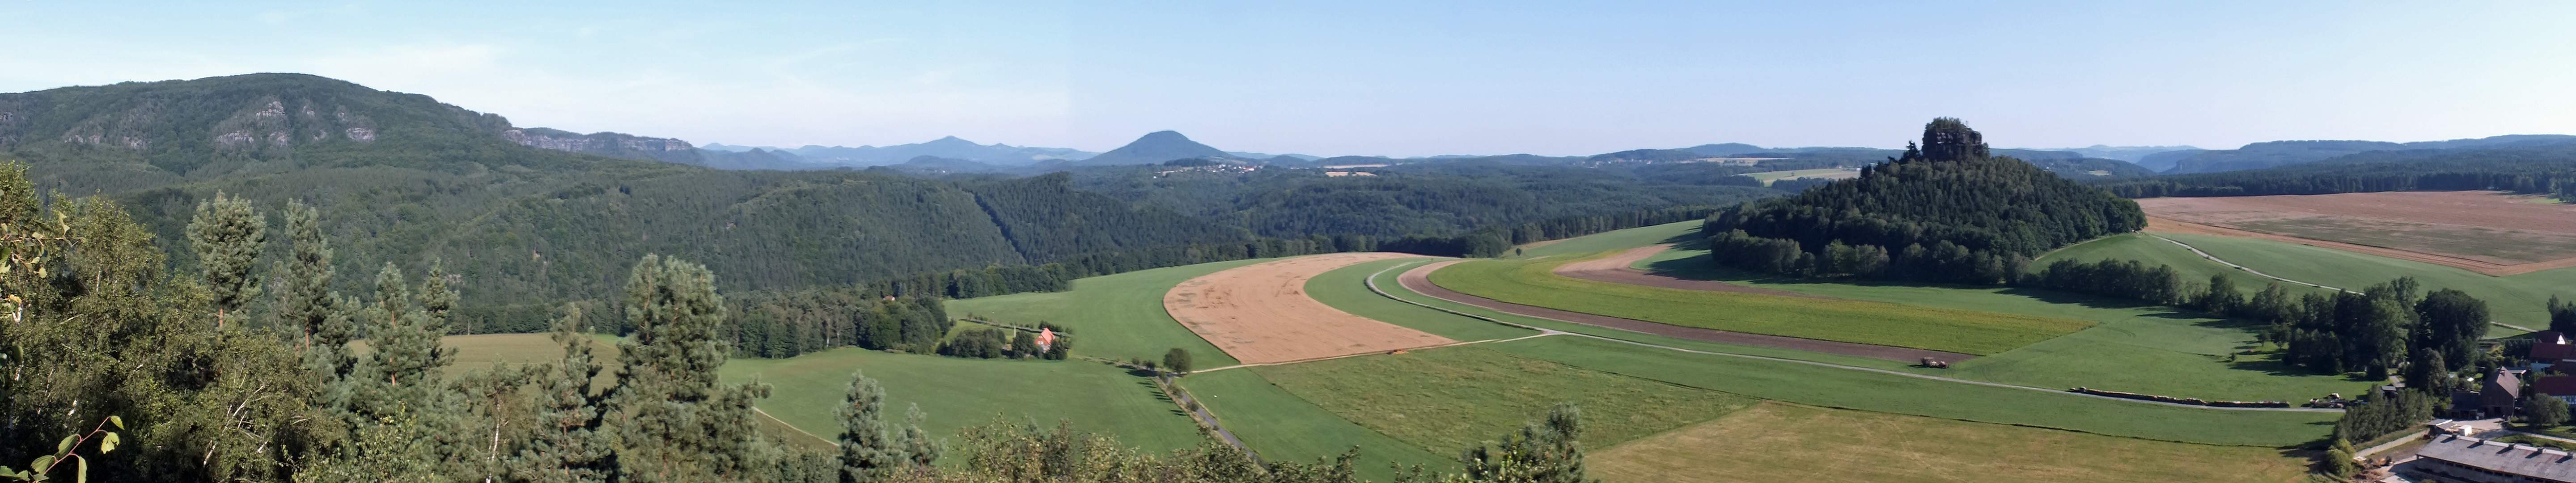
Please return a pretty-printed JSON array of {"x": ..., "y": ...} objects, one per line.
[
  {"x": 1419, "y": 281},
  {"x": 1619, "y": 269},
  {"x": 1260, "y": 313},
  {"x": 2157, "y": 224}
]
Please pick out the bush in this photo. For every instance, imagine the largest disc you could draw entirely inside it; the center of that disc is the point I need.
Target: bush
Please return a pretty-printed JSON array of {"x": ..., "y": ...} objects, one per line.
[{"x": 1176, "y": 359}]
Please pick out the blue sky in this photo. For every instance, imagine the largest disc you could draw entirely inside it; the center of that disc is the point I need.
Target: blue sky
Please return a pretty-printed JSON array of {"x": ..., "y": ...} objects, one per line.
[{"x": 1391, "y": 78}]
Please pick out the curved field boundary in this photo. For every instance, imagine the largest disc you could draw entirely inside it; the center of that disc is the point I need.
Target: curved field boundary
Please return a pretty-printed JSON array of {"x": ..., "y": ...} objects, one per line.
[
  {"x": 1419, "y": 281},
  {"x": 2169, "y": 225},
  {"x": 2221, "y": 261},
  {"x": 1260, "y": 313},
  {"x": 1421, "y": 275},
  {"x": 1619, "y": 269}
]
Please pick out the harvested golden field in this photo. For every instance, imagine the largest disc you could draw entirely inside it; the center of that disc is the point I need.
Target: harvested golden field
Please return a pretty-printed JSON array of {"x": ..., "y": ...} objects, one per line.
[
  {"x": 2487, "y": 232},
  {"x": 1260, "y": 313}
]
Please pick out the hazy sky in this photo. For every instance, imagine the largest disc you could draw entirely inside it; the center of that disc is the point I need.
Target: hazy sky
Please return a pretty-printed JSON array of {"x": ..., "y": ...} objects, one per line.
[{"x": 1392, "y": 78}]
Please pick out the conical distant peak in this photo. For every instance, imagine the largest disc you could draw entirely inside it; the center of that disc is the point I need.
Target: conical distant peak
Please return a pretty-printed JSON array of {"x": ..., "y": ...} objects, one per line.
[{"x": 1166, "y": 135}]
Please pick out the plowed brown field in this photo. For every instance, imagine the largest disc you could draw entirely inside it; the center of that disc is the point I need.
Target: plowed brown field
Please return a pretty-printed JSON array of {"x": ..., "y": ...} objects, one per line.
[
  {"x": 1260, "y": 313},
  {"x": 2487, "y": 232}
]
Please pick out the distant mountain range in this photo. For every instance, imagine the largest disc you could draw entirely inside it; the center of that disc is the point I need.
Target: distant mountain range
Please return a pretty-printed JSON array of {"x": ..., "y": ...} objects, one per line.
[
  {"x": 1157, "y": 147},
  {"x": 2284, "y": 153}
]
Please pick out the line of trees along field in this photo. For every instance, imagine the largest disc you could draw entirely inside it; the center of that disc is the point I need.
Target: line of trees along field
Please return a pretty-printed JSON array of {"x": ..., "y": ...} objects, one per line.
[
  {"x": 2540, "y": 169},
  {"x": 124, "y": 371},
  {"x": 1947, "y": 210}
]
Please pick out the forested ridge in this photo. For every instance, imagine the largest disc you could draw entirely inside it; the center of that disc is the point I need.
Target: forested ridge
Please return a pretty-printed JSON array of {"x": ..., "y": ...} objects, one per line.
[
  {"x": 1946, "y": 210},
  {"x": 124, "y": 371},
  {"x": 406, "y": 180},
  {"x": 2539, "y": 169}
]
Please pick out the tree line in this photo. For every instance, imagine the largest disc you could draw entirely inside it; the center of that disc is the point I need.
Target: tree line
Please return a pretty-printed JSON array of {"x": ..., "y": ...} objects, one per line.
[
  {"x": 1946, "y": 210},
  {"x": 150, "y": 375},
  {"x": 2544, "y": 170}
]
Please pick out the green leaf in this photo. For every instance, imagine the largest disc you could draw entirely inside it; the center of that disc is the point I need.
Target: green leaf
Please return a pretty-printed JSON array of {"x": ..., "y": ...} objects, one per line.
[
  {"x": 108, "y": 444},
  {"x": 41, "y": 462},
  {"x": 81, "y": 475},
  {"x": 119, "y": 422},
  {"x": 66, "y": 445}
]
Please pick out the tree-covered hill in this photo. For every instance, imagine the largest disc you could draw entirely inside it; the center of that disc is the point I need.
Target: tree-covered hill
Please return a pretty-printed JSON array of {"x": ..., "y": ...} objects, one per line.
[
  {"x": 1949, "y": 210},
  {"x": 402, "y": 178}
]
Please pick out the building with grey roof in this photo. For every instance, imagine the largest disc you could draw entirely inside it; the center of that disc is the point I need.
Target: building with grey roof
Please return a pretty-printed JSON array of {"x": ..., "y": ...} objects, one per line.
[{"x": 2477, "y": 460}]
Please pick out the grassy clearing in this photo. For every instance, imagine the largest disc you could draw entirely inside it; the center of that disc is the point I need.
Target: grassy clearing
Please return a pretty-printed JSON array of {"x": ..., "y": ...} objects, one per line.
[
  {"x": 1281, "y": 427},
  {"x": 2135, "y": 347},
  {"x": 1346, "y": 289},
  {"x": 1617, "y": 240},
  {"x": 1451, "y": 398},
  {"x": 1942, "y": 329},
  {"x": 1797, "y": 443},
  {"x": 957, "y": 393},
  {"x": 2517, "y": 299},
  {"x": 1111, "y": 316},
  {"x": 1822, "y": 386}
]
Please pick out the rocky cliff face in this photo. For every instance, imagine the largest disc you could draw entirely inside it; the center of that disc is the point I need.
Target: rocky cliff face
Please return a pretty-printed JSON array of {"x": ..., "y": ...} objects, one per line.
[{"x": 606, "y": 144}]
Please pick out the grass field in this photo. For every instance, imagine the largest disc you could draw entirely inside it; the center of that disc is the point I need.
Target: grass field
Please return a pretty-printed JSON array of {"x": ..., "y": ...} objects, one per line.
[
  {"x": 1346, "y": 289},
  {"x": 1451, "y": 398},
  {"x": 1616, "y": 240},
  {"x": 957, "y": 393},
  {"x": 1830, "y": 445},
  {"x": 2155, "y": 251},
  {"x": 482, "y": 352},
  {"x": 2516, "y": 299},
  {"x": 1942, "y": 329},
  {"x": 1281, "y": 427},
  {"x": 2135, "y": 347},
  {"x": 1111, "y": 316},
  {"x": 1821, "y": 386}
]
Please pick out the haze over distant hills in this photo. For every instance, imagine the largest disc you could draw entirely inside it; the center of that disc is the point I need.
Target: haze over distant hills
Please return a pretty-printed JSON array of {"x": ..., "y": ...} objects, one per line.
[{"x": 2284, "y": 153}]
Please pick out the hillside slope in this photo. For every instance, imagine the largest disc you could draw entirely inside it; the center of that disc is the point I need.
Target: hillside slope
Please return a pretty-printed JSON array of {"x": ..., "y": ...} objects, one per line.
[{"x": 1949, "y": 210}]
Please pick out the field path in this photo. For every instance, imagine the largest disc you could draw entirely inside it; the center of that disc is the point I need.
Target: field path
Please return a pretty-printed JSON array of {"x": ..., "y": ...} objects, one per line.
[
  {"x": 1421, "y": 275},
  {"x": 1419, "y": 281},
  {"x": 2169, "y": 225},
  {"x": 1260, "y": 313},
  {"x": 2222, "y": 261},
  {"x": 1619, "y": 269}
]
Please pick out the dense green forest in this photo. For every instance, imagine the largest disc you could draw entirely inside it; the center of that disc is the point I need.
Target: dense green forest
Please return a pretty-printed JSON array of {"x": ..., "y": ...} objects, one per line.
[
  {"x": 1946, "y": 210},
  {"x": 407, "y": 180},
  {"x": 124, "y": 371},
  {"x": 2543, "y": 169}
]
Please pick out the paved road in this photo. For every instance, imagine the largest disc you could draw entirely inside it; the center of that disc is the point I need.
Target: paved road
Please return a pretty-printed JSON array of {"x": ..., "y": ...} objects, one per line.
[{"x": 1373, "y": 287}]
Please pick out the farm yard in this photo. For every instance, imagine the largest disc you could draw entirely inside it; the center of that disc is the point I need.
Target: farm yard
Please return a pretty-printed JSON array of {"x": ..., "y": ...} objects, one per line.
[
  {"x": 2487, "y": 232},
  {"x": 1833, "y": 445}
]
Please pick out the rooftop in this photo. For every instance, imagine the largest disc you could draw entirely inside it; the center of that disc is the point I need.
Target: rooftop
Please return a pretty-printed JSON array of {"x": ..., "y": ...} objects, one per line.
[{"x": 2525, "y": 460}]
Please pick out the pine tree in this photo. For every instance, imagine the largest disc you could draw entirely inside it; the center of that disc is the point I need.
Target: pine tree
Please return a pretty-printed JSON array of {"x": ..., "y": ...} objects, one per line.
[
  {"x": 2562, "y": 316},
  {"x": 227, "y": 235},
  {"x": 870, "y": 451},
  {"x": 680, "y": 423},
  {"x": 569, "y": 446},
  {"x": 917, "y": 443}
]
